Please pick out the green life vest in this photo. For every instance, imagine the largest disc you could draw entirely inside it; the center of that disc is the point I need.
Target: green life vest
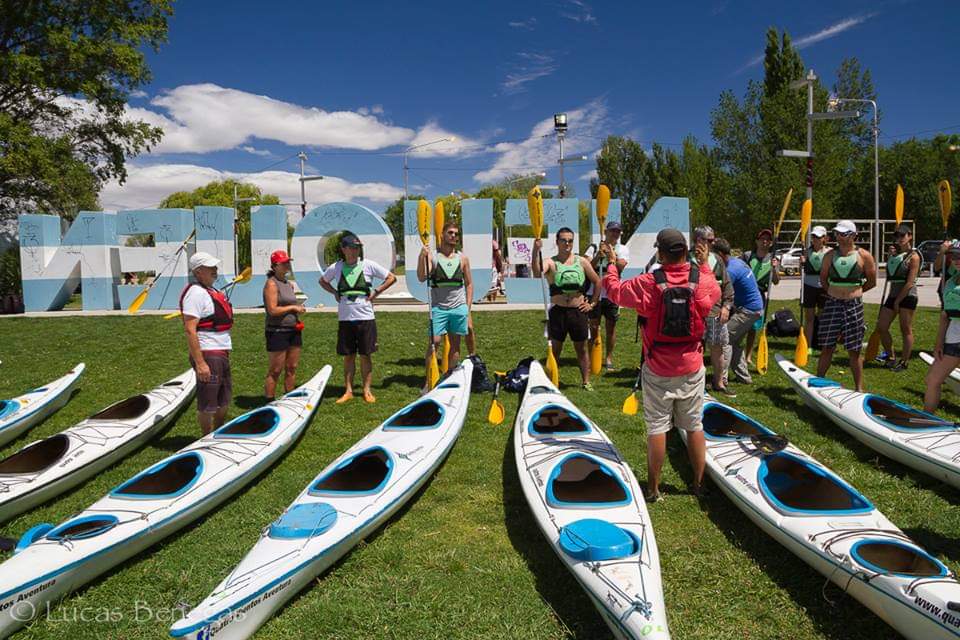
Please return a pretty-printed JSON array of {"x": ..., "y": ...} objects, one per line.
[
  {"x": 899, "y": 266},
  {"x": 845, "y": 271},
  {"x": 569, "y": 279},
  {"x": 814, "y": 261},
  {"x": 447, "y": 272},
  {"x": 762, "y": 268},
  {"x": 352, "y": 284},
  {"x": 951, "y": 297}
]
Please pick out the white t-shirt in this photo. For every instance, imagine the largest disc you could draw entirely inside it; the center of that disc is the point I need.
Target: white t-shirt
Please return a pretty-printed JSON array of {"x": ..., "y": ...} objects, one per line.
[
  {"x": 198, "y": 304},
  {"x": 361, "y": 308},
  {"x": 622, "y": 254}
]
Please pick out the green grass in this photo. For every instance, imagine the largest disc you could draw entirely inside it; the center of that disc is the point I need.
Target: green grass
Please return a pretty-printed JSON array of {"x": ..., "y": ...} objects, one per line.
[{"x": 465, "y": 559}]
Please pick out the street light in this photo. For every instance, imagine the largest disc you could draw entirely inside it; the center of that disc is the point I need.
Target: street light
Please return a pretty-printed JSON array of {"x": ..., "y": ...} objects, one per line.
[
  {"x": 419, "y": 146},
  {"x": 832, "y": 104},
  {"x": 304, "y": 179},
  {"x": 560, "y": 127}
]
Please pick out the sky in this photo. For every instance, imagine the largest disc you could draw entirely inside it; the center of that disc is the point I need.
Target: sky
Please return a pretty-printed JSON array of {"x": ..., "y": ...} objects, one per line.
[{"x": 240, "y": 88}]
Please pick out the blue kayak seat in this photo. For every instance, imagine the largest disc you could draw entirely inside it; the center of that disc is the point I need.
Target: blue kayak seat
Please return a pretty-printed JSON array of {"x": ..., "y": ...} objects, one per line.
[
  {"x": 7, "y": 407},
  {"x": 821, "y": 383},
  {"x": 304, "y": 521},
  {"x": 592, "y": 540}
]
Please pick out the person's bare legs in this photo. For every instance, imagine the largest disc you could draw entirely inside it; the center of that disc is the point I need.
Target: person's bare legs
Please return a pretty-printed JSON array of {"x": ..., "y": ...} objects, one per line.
[
  {"x": 748, "y": 346},
  {"x": 656, "y": 454},
  {"x": 823, "y": 363},
  {"x": 471, "y": 337},
  {"x": 856, "y": 368},
  {"x": 718, "y": 365},
  {"x": 906, "y": 330},
  {"x": 274, "y": 369},
  {"x": 349, "y": 368},
  {"x": 697, "y": 452},
  {"x": 454, "y": 358},
  {"x": 611, "y": 331},
  {"x": 583, "y": 359},
  {"x": 809, "y": 317},
  {"x": 211, "y": 421},
  {"x": 938, "y": 372},
  {"x": 883, "y": 328},
  {"x": 366, "y": 373},
  {"x": 290, "y": 369}
]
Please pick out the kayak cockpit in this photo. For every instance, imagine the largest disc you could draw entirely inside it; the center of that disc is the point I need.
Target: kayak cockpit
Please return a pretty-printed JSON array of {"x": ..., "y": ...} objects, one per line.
[
  {"x": 795, "y": 486},
  {"x": 897, "y": 558},
  {"x": 902, "y": 417},
  {"x": 7, "y": 407},
  {"x": 364, "y": 473},
  {"x": 721, "y": 422},
  {"x": 426, "y": 414},
  {"x": 583, "y": 481},
  {"x": 252, "y": 425},
  {"x": 168, "y": 479},
  {"x": 36, "y": 457},
  {"x": 556, "y": 420},
  {"x": 83, "y": 527},
  {"x": 129, "y": 409}
]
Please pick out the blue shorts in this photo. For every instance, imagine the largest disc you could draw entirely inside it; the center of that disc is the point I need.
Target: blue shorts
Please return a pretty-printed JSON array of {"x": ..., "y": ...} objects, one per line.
[{"x": 449, "y": 320}]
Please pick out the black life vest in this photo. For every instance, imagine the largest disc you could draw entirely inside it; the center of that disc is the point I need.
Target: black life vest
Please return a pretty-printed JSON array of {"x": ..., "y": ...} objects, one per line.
[{"x": 359, "y": 286}]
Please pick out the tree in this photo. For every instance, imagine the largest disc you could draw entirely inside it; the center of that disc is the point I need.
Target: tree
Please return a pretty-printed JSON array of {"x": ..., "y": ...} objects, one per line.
[
  {"x": 622, "y": 166},
  {"x": 220, "y": 194},
  {"x": 66, "y": 71}
]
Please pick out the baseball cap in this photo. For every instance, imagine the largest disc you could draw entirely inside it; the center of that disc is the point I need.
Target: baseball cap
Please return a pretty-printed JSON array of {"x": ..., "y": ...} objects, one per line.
[
  {"x": 613, "y": 225},
  {"x": 819, "y": 231},
  {"x": 671, "y": 241},
  {"x": 202, "y": 259},
  {"x": 904, "y": 228},
  {"x": 350, "y": 240},
  {"x": 845, "y": 226},
  {"x": 765, "y": 232},
  {"x": 954, "y": 246},
  {"x": 279, "y": 257}
]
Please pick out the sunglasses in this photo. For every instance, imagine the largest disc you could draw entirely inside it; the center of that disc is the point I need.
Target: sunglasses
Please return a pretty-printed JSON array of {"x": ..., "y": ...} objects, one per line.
[
  {"x": 565, "y": 241},
  {"x": 451, "y": 232}
]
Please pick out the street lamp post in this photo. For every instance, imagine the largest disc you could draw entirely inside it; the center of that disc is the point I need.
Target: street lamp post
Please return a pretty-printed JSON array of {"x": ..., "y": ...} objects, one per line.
[
  {"x": 560, "y": 126},
  {"x": 418, "y": 146},
  {"x": 832, "y": 104},
  {"x": 304, "y": 179}
]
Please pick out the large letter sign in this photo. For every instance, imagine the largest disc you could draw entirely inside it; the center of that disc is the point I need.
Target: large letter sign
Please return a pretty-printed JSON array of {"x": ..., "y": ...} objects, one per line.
[
  {"x": 268, "y": 232},
  {"x": 169, "y": 227}
]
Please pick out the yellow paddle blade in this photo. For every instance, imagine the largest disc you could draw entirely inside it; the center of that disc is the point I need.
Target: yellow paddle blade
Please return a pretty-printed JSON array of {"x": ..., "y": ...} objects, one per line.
[
  {"x": 445, "y": 359},
  {"x": 551, "y": 368},
  {"x": 603, "y": 203},
  {"x": 946, "y": 202},
  {"x": 139, "y": 300},
  {"x": 171, "y": 316},
  {"x": 873, "y": 346},
  {"x": 800, "y": 355},
  {"x": 496, "y": 413},
  {"x": 898, "y": 206},
  {"x": 596, "y": 356},
  {"x": 763, "y": 353},
  {"x": 244, "y": 276},
  {"x": 438, "y": 219},
  {"x": 631, "y": 405},
  {"x": 783, "y": 213},
  {"x": 535, "y": 209},
  {"x": 423, "y": 221},
  {"x": 433, "y": 371},
  {"x": 806, "y": 216}
]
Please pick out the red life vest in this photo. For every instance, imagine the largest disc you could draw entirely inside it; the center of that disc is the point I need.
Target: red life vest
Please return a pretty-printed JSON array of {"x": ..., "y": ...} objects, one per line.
[
  {"x": 677, "y": 320},
  {"x": 222, "y": 318}
]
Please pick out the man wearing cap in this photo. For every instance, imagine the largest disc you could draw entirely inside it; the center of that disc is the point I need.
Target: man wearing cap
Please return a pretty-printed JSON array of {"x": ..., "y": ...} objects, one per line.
[
  {"x": 674, "y": 302},
  {"x": 716, "y": 338},
  {"x": 902, "y": 270},
  {"x": 747, "y": 307},
  {"x": 207, "y": 318},
  {"x": 607, "y": 309},
  {"x": 846, "y": 274},
  {"x": 766, "y": 270},
  {"x": 813, "y": 296},
  {"x": 283, "y": 327},
  {"x": 355, "y": 293}
]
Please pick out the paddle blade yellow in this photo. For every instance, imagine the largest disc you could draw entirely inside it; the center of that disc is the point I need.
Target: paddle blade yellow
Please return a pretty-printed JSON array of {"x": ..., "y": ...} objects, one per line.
[
  {"x": 603, "y": 204},
  {"x": 946, "y": 202},
  {"x": 496, "y": 413},
  {"x": 445, "y": 359},
  {"x": 423, "y": 221},
  {"x": 552, "y": 369},
  {"x": 873, "y": 346},
  {"x": 806, "y": 217},
  {"x": 171, "y": 316},
  {"x": 535, "y": 209},
  {"x": 783, "y": 213},
  {"x": 631, "y": 405},
  {"x": 596, "y": 356},
  {"x": 139, "y": 300},
  {"x": 763, "y": 353},
  {"x": 438, "y": 219},
  {"x": 244, "y": 276},
  {"x": 898, "y": 206},
  {"x": 800, "y": 355},
  {"x": 433, "y": 371}
]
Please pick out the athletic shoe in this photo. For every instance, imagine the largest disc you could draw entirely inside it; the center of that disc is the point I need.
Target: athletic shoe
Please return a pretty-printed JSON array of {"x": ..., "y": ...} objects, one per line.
[
  {"x": 652, "y": 498},
  {"x": 883, "y": 357},
  {"x": 725, "y": 391},
  {"x": 899, "y": 367},
  {"x": 587, "y": 386}
]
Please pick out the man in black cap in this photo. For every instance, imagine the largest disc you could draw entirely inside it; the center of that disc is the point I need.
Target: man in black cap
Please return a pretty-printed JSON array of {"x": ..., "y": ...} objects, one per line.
[{"x": 607, "y": 309}]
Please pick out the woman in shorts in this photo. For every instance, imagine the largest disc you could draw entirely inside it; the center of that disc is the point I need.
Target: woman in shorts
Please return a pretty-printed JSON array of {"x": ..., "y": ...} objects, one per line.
[
  {"x": 283, "y": 326},
  {"x": 946, "y": 354}
]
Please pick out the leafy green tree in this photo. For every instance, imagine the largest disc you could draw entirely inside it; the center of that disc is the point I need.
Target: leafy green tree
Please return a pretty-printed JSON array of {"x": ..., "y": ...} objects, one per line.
[
  {"x": 622, "y": 166},
  {"x": 220, "y": 194},
  {"x": 66, "y": 71}
]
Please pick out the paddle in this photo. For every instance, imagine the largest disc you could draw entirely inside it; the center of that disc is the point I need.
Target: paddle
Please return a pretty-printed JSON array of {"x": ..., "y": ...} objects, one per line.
[
  {"x": 423, "y": 229},
  {"x": 769, "y": 444},
  {"x": 142, "y": 296},
  {"x": 535, "y": 209},
  {"x": 439, "y": 219},
  {"x": 631, "y": 404},
  {"x": 946, "y": 202},
  {"x": 806, "y": 216},
  {"x": 763, "y": 349},
  {"x": 243, "y": 276},
  {"x": 596, "y": 349},
  {"x": 496, "y": 413},
  {"x": 783, "y": 214},
  {"x": 873, "y": 344}
]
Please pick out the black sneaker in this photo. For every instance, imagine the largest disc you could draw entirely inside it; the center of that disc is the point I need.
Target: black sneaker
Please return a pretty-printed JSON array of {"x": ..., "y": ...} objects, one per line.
[
  {"x": 899, "y": 367},
  {"x": 652, "y": 498}
]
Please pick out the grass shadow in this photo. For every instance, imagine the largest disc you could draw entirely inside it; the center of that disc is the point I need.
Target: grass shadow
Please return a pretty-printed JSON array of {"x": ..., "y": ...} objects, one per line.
[
  {"x": 249, "y": 402},
  {"x": 944, "y": 404},
  {"x": 415, "y": 382},
  {"x": 935, "y": 543},
  {"x": 175, "y": 443},
  {"x": 409, "y": 362}
]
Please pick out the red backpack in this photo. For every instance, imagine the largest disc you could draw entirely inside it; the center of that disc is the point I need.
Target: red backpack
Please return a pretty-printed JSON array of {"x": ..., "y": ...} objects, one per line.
[
  {"x": 678, "y": 321},
  {"x": 222, "y": 318}
]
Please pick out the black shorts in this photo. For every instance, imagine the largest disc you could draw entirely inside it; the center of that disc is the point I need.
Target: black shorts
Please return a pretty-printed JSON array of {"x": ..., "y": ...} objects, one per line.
[
  {"x": 606, "y": 309},
  {"x": 568, "y": 321},
  {"x": 357, "y": 336},
  {"x": 813, "y": 297},
  {"x": 283, "y": 339},
  {"x": 952, "y": 349},
  {"x": 908, "y": 302}
]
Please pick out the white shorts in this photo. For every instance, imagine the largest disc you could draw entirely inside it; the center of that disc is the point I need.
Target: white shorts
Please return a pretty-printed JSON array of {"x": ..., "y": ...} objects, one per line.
[{"x": 675, "y": 401}]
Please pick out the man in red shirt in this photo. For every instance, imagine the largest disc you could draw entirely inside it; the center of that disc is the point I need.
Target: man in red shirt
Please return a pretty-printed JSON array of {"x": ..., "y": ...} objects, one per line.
[{"x": 673, "y": 372}]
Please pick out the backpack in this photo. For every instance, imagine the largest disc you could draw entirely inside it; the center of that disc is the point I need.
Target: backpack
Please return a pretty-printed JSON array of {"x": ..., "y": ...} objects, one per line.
[
  {"x": 678, "y": 320},
  {"x": 516, "y": 380},
  {"x": 480, "y": 381},
  {"x": 783, "y": 324}
]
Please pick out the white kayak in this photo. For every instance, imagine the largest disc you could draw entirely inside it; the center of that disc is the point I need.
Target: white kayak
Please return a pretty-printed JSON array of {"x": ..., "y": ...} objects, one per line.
[
  {"x": 829, "y": 525},
  {"x": 346, "y": 502},
  {"x": 952, "y": 381},
  {"x": 50, "y": 562},
  {"x": 48, "y": 467},
  {"x": 913, "y": 437},
  {"x": 20, "y": 413},
  {"x": 589, "y": 506}
]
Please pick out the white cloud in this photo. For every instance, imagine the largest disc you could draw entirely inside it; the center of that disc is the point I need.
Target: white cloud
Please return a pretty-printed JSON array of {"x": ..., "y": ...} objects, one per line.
[
  {"x": 579, "y": 11},
  {"x": 588, "y": 124},
  {"x": 257, "y": 152},
  {"x": 432, "y": 131},
  {"x": 137, "y": 93},
  {"x": 589, "y": 175},
  {"x": 146, "y": 186},
  {"x": 527, "y": 24},
  {"x": 529, "y": 67},
  {"x": 813, "y": 38}
]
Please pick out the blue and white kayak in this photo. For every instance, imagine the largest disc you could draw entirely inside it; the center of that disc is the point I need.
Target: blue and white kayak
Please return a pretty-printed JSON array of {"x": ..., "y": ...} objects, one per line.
[
  {"x": 589, "y": 505},
  {"x": 829, "y": 525},
  {"x": 913, "y": 437},
  {"x": 19, "y": 414},
  {"x": 48, "y": 467},
  {"x": 347, "y": 501},
  {"x": 952, "y": 381},
  {"x": 51, "y": 561}
]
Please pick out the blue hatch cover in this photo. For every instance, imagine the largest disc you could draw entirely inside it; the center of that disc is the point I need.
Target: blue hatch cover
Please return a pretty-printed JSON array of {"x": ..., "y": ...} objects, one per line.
[
  {"x": 304, "y": 521},
  {"x": 820, "y": 383},
  {"x": 591, "y": 540}
]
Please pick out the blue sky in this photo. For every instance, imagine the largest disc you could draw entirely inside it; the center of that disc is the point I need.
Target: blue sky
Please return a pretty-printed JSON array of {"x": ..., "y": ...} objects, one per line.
[{"x": 240, "y": 87}]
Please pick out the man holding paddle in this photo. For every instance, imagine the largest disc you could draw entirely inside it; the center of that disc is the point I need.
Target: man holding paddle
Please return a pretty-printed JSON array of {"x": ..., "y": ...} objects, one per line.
[{"x": 606, "y": 309}]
